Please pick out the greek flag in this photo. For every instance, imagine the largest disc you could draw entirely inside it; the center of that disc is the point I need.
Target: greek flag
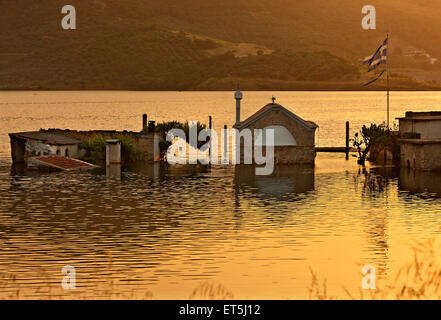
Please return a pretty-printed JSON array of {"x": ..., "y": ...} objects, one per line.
[
  {"x": 379, "y": 57},
  {"x": 372, "y": 81}
]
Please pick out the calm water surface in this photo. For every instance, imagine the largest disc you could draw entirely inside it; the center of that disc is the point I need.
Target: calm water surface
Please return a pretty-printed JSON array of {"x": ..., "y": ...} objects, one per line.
[{"x": 164, "y": 231}]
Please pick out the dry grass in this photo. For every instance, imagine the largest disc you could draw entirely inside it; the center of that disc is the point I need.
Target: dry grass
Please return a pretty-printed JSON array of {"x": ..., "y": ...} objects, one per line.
[
  {"x": 420, "y": 278},
  {"x": 8, "y": 287},
  {"x": 317, "y": 290},
  {"x": 211, "y": 291},
  {"x": 106, "y": 287}
]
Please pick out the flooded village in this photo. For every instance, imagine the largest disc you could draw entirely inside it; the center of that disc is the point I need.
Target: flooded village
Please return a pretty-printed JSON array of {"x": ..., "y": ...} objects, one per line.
[
  {"x": 415, "y": 145},
  {"x": 83, "y": 195},
  {"x": 204, "y": 150}
]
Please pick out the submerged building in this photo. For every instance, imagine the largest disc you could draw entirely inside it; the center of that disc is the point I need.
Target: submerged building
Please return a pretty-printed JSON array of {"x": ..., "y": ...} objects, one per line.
[
  {"x": 25, "y": 145},
  {"x": 62, "y": 148},
  {"x": 294, "y": 138},
  {"x": 420, "y": 140}
]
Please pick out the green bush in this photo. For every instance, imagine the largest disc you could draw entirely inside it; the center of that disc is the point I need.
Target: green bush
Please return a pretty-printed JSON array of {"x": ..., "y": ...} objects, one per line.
[
  {"x": 165, "y": 127},
  {"x": 128, "y": 147},
  {"x": 95, "y": 147},
  {"x": 374, "y": 135}
]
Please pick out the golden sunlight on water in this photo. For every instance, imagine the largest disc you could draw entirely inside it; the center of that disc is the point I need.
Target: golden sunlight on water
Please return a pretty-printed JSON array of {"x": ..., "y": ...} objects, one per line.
[{"x": 163, "y": 232}]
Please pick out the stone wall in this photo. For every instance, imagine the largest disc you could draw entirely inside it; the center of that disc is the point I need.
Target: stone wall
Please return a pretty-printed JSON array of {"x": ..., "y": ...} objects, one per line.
[
  {"x": 147, "y": 146},
  {"x": 287, "y": 154},
  {"x": 303, "y": 152},
  {"x": 294, "y": 154},
  {"x": 421, "y": 156}
]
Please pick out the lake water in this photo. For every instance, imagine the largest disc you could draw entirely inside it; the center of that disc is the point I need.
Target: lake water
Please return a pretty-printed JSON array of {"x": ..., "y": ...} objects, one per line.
[{"x": 163, "y": 232}]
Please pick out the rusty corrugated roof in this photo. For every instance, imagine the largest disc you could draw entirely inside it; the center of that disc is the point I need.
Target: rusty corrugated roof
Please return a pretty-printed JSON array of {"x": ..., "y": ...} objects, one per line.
[{"x": 63, "y": 162}]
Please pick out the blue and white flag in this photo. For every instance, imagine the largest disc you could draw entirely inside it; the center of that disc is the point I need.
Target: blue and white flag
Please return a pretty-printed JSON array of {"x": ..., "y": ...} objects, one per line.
[
  {"x": 372, "y": 81},
  {"x": 379, "y": 57}
]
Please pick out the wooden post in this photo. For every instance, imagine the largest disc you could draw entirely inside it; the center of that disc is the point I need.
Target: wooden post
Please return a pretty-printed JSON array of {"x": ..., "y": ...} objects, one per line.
[
  {"x": 225, "y": 155},
  {"x": 144, "y": 122},
  {"x": 209, "y": 150},
  {"x": 347, "y": 140}
]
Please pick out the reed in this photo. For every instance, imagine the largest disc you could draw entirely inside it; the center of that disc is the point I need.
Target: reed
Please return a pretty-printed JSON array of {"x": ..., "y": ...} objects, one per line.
[
  {"x": 211, "y": 291},
  {"x": 419, "y": 278}
]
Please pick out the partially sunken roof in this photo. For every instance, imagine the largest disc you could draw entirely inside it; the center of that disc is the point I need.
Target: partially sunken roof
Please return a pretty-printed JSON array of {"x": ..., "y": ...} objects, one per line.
[
  {"x": 45, "y": 137},
  {"x": 272, "y": 107},
  {"x": 64, "y": 163}
]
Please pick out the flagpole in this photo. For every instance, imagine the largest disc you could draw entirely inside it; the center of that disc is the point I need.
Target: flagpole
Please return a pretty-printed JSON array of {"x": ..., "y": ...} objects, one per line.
[{"x": 387, "y": 75}]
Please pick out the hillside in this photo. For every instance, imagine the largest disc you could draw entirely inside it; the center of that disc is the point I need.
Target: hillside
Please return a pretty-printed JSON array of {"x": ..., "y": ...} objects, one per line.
[{"x": 207, "y": 45}]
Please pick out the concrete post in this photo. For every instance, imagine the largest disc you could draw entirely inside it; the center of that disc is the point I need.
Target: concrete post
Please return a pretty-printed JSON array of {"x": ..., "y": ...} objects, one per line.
[
  {"x": 113, "y": 171},
  {"x": 113, "y": 151},
  {"x": 238, "y": 96}
]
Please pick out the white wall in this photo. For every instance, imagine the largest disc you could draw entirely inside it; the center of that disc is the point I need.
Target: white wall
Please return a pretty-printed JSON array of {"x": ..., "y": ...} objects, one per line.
[
  {"x": 428, "y": 129},
  {"x": 35, "y": 148},
  {"x": 282, "y": 137}
]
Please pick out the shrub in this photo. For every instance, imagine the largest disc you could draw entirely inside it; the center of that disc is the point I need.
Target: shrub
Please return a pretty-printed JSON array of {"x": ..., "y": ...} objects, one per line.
[
  {"x": 375, "y": 135},
  {"x": 165, "y": 127},
  {"x": 128, "y": 147},
  {"x": 95, "y": 148}
]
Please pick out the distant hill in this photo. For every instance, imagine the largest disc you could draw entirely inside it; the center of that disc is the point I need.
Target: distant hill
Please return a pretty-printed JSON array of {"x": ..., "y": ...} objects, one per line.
[{"x": 210, "y": 45}]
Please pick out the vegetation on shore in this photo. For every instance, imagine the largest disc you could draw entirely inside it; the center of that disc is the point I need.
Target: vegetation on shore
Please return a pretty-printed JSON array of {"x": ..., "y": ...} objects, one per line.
[{"x": 171, "y": 45}]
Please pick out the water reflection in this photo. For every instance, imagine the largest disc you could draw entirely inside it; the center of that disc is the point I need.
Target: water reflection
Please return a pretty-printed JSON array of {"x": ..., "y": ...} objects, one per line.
[
  {"x": 284, "y": 184},
  {"x": 377, "y": 186},
  {"x": 420, "y": 181},
  {"x": 163, "y": 171},
  {"x": 173, "y": 226},
  {"x": 413, "y": 181},
  {"x": 113, "y": 171},
  {"x": 415, "y": 188}
]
